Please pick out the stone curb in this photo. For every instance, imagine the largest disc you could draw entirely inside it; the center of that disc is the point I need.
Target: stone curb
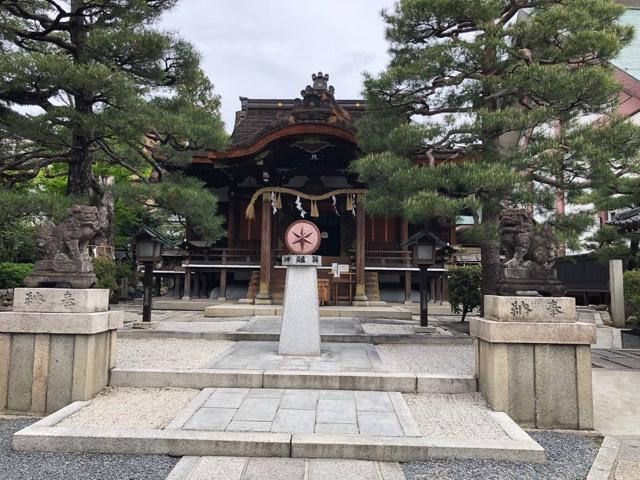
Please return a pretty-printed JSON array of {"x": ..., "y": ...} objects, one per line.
[
  {"x": 274, "y": 337},
  {"x": 604, "y": 466},
  {"x": 368, "y": 381},
  {"x": 40, "y": 437}
]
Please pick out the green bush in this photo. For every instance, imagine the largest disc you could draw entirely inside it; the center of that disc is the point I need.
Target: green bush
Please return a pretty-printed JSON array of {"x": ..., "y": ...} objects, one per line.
[
  {"x": 632, "y": 292},
  {"x": 106, "y": 271},
  {"x": 464, "y": 288},
  {"x": 13, "y": 274}
]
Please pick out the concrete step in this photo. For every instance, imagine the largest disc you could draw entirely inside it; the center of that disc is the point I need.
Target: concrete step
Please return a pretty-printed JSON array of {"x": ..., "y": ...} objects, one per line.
[
  {"x": 263, "y": 423},
  {"x": 380, "y": 381},
  {"x": 381, "y": 339},
  {"x": 244, "y": 468},
  {"x": 248, "y": 310}
]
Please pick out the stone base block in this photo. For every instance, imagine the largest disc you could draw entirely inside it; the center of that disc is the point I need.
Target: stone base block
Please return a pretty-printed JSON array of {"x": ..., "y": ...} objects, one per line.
[
  {"x": 49, "y": 360},
  {"x": 41, "y": 373},
  {"x": 539, "y": 372},
  {"x": 60, "y": 300},
  {"x": 530, "y": 309}
]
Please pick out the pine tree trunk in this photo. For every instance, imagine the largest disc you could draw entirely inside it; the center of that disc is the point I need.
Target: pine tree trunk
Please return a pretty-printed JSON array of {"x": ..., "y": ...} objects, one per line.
[
  {"x": 79, "y": 181},
  {"x": 490, "y": 251},
  {"x": 80, "y": 173}
]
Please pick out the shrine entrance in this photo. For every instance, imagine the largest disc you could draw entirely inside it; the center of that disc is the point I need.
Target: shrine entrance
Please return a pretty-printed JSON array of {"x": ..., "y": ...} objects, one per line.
[{"x": 329, "y": 225}]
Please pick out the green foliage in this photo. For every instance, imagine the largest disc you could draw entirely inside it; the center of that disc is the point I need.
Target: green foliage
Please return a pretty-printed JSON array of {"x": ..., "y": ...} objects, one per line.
[
  {"x": 170, "y": 206},
  {"x": 632, "y": 292},
  {"x": 94, "y": 88},
  {"x": 106, "y": 270},
  {"x": 13, "y": 274},
  {"x": 463, "y": 120},
  {"x": 464, "y": 288}
]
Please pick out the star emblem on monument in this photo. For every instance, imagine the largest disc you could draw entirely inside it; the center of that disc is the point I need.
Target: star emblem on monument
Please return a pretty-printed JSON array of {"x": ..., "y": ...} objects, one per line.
[{"x": 302, "y": 238}]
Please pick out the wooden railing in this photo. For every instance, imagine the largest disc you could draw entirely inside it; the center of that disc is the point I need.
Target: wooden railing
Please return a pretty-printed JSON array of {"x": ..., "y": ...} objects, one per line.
[{"x": 226, "y": 256}]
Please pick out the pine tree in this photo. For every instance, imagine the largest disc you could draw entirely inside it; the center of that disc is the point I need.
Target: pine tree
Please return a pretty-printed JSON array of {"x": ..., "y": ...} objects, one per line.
[
  {"x": 492, "y": 95},
  {"x": 87, "y": 84}
]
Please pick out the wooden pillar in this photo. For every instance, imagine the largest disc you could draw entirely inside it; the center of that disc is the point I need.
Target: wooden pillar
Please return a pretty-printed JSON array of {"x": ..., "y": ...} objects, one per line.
[
  {"x": 432, "y": 288},
  {"x": 264, "y": 293},
  {"x": 232, "y": 220},
  {"x": 361, "y": 219},
  {"x": 158, "y": 288},
  {"x": 404, "y": 236},
  {"x": 196, "y": 285},
  {"x": 205, "y": 284},
  {"x": 176, "y": 285},
  {"x": 222, "y": 291},
  {"x": 187, "y": 285}
]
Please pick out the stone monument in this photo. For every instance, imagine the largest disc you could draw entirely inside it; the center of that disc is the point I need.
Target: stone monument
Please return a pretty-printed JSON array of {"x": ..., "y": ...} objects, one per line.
[
  {"x": 66, "y": 260},
  {"x": 533, "y": 358},
  {"x": 58, "y": 344},
  {"x": 300, "y": 333}
]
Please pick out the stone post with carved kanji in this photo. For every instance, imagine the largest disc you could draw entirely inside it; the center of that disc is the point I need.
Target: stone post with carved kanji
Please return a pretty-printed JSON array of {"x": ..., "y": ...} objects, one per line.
[
  {"x": 533, "y": 360},
  {"x": 56, "y": 347}
]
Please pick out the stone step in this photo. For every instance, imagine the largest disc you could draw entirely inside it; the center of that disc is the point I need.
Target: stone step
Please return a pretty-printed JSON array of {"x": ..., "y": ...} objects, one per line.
[
  {"x": 287, "y": 423},
  {"x": 248, "y": 310},
  {"x": 244, "y": 468},
  {"x": 380, "y": 381},
  {"x": 376, "y": 339}
]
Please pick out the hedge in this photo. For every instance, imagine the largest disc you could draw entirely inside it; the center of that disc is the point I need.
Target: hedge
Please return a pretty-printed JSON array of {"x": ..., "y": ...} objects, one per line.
[{"x": 13, "y": 274}]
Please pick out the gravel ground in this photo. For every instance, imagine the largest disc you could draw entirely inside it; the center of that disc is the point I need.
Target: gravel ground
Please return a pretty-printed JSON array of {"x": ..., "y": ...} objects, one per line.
[
  {"x": 54, "y": 466},
  {"x": 168, "y": 353},
  {"x": 454, "y": 416},
  {"x": 132, "y": 408},
  {"x": 569, "y": 457},
  {"x": 230, "y": 326},
  {"x": 452, "y": 359}
]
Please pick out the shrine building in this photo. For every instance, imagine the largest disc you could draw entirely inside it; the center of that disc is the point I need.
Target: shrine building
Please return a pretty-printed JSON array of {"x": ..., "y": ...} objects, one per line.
[{"x": 290, "y": 159}]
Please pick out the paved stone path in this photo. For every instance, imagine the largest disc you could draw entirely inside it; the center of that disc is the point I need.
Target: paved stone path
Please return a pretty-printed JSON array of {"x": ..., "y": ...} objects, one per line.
[
  {"x": 628, "y": 462},
  {"x": 236, "y": 468},
  {"x": 616, "y": 359},
  {"x": 303, "y": 411},
  {"x": 336, "y": 357}
]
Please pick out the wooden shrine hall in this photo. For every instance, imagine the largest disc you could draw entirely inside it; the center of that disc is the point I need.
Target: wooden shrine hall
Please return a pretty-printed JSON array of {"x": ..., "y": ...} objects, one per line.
[{"x": 290, "y": 159}]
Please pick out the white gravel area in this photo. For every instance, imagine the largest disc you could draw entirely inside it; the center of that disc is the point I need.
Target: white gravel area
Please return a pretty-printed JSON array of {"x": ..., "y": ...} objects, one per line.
[
  {"x": 454, "y": 416},
  {"x": 169, "y": 353},
  {"x": 132, "y": 408},
  {"x": 230, "y": 326},
  {"x": 436, "y": 359}
]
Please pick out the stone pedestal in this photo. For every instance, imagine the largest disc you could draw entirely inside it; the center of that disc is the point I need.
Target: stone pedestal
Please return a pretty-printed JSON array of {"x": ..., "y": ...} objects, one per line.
[
  {"x": 56, "y": 347},
  {"x": 533, "y": 361},
  {"x": 300, "y": 334}
]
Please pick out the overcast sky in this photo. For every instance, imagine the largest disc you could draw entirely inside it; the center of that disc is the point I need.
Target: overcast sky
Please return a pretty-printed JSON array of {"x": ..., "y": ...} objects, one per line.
[{"x": 270, "y": 48}]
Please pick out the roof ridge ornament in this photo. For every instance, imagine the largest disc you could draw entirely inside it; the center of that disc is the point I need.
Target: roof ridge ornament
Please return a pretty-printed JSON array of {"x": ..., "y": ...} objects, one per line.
[{"x": 321, "y": 82}]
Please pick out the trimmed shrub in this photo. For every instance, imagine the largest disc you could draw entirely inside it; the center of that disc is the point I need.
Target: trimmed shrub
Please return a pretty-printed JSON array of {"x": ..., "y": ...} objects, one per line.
[
  {"x": 106, "y": 270},
  {"x": 632, "y": 293},
  {"x": 13, "y": 274},
  {"x": 464, "y": 288}
]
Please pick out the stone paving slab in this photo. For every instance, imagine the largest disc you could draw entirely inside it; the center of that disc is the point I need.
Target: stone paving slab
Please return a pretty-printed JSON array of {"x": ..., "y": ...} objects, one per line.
[
  {"x": 616, "y": 359},
  {"x": 300, "y": 411},
  {"x": 46, "y": 435},
  {"x": 335, "y": 357},
  {"x": 235, "y": 468}
]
